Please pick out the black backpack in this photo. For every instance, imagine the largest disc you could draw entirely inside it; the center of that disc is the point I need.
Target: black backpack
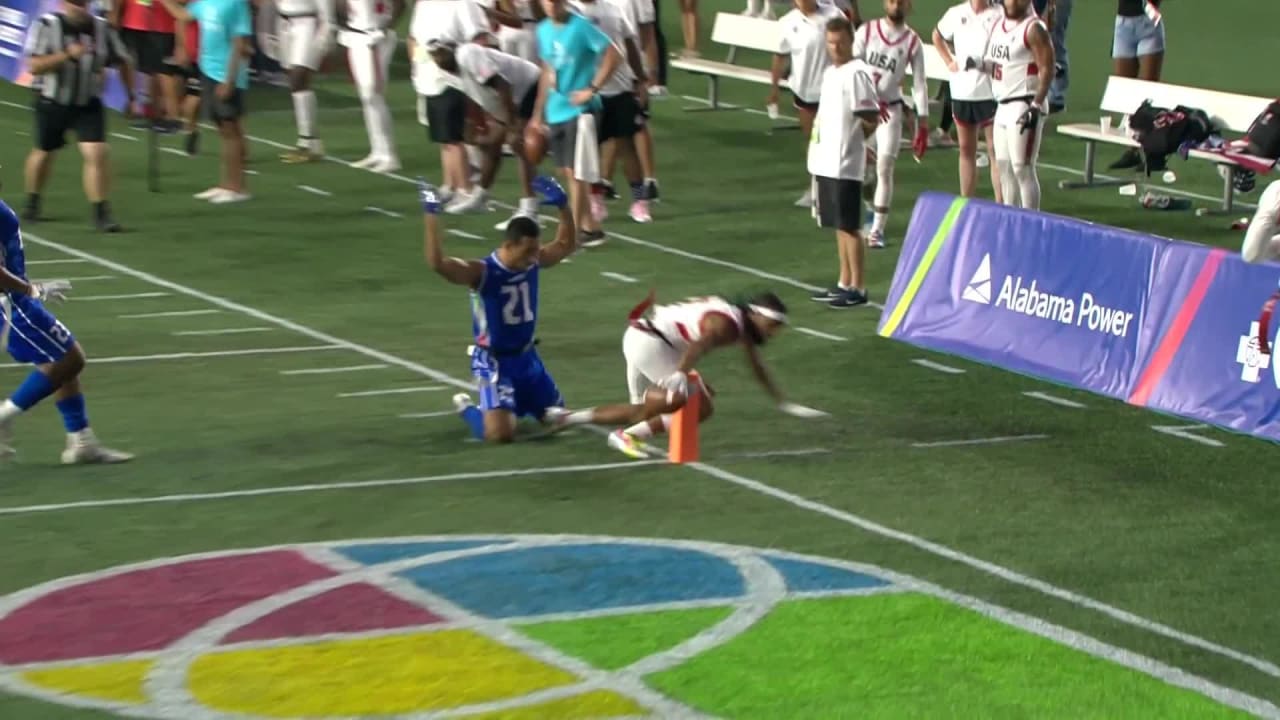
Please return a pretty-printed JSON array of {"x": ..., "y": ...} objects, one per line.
[
  {"x": 1264, "y": 133},
  {"x": 1161, "y": 132}
]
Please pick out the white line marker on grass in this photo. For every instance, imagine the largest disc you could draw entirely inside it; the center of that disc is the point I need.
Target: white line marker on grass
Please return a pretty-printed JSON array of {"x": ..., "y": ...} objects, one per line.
[
  {"x": 90, "y": 278},
  {"x": 619, "y": 277},
  {"x": 175, "y": 151},
  {"x": 122, "y": 136},
  {"x": 409, "y": 416},
  {"x": 380, "y": 211},
  {"x": 1184, "y": 432},
  {"x": 252, "y": 172},
  {"x": 195, "y": 355},
  {"x": 978, "y": 441},
  {"x": 132, "y": 296},
  {"x": 315, "y": 190},
  {"x": 330, "y": 370},
  {"x": 393, "y": 391},
  {"x": 1011, "y": 576},
  {"x": 1036, "y": 394},
  {"x": 820, "y": 334},
  {"x": 922, "y": 362},
  {"x": 171, "y": 313},
  {"x": 225, "y": 331},
  {"x": 59, "y": 261},
  {"x": 464, "y": 234}
]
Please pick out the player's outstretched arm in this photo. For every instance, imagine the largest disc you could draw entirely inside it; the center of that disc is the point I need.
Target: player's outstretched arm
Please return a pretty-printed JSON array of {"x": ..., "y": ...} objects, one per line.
[
  {"x": 761, "y": 371},
  {"x": 566, "y": 242},
  {"x": 455, "y": 270}
]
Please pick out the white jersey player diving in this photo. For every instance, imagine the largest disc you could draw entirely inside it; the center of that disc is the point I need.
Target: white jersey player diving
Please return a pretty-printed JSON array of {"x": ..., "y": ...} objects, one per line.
[
  {"x": 370, "y": 39},
  {"x": 890, "y": 47},
  {"x": 1020, "y": 62},
  {"x": 305, "y": 30}
]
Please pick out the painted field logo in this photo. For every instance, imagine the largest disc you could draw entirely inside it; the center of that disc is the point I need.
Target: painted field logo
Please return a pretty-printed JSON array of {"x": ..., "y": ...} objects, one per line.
[{"x": 560, "y": 627}]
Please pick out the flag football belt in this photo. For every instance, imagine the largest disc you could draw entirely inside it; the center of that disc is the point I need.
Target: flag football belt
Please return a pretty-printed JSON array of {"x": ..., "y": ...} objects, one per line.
[
  {"x": 637, "y": 320},
  {"x": 1264, "y": 322},
  {"x": 1020, "y": 98}
]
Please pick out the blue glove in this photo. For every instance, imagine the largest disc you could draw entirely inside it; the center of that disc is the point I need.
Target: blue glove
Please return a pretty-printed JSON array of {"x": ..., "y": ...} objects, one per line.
[
  {"x": 429, "y": 196},
  {"x": 550, "y": 190}
]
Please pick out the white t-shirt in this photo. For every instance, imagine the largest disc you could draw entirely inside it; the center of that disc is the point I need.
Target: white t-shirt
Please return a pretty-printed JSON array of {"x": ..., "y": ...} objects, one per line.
[
  {"x": 1262, "y": 240},
  {"x": 612, "y": 19},
  {"x": 836, "y": 147},
  {"x": 968, "y": 33},
  {"x": 458, "y": 21},
  {"x": 804, "y": 38},
  {"x": 478, "y": 65}
]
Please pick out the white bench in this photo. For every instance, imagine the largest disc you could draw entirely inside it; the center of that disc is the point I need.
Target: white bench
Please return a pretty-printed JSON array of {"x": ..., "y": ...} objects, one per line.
[
  {"x": 750, "y": 33},
  {"x": 1123, "y": 96}
]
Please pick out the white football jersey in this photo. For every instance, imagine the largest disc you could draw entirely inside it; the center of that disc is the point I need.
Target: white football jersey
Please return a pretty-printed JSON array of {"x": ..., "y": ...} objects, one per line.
[
  {"x": 681, "y": 323},
  {"x": 294, "y": 8},
  {"x": 1012, "y": 64},
  {"x": 889, "y": 51},
  {"x": 1262, "y": 240},
  {"x": 837, "y": 146},
  {"x": 804, "y": 38},
  {"x": 368, "y": 15},
  {"x": 612, "y": 20},
  {"x": 968, "y": 32},
  {"x": 478, "y": 65}
]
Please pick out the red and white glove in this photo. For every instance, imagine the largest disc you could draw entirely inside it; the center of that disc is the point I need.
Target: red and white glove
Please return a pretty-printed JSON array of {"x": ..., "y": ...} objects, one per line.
[
  {"x": 921, "y": 141},
  {"x": 884, "y": 112}
]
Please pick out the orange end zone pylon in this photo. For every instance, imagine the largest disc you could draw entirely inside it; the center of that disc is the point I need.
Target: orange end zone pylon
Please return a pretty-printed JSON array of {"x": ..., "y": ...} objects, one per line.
[{"x": 683, "y": 443}]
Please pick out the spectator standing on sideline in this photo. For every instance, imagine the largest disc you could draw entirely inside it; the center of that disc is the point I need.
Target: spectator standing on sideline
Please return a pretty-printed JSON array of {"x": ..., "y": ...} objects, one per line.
[
  {"x": 848, "y": 112},
  {"x": 1018, "y": 59},
  {"x": 1057, "y": 13},
  {"x": 962, "y": 33},
  {"x": 1137, "y": 52},
  {"x": 147, "y": 30},
  {"x": 68, "y": 51},
  {"x": 803, "y": 46},
  {"x": 368, "y": 33},
  {"x": 306, "y": 29},
  {"x": 186, "y": 51},
  {"x": 689, "y": 26},
  {"x": 225, "y": 49}
]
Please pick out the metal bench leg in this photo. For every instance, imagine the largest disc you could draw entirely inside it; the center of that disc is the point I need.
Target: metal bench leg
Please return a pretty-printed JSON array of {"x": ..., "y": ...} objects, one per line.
[
  {"x": 1090, "y": 178},
  {"x": 713, "y": 96},
  {"x": 1228, "y": 198}
]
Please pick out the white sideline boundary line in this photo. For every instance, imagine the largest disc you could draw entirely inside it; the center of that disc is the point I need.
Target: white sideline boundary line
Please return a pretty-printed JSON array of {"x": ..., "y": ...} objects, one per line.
[
  {"x": 1012, "y": 576},
  {"x": 171, "y": 313},
  {"x": 196, "y": 355},
  {"x": 978, "y": 441},
  {"x": 330, "y": 370},
  {"x": 318, "y": 487},
  {"x": 99, "y": 298},
  {"x": 392, "y": 391},
  {"x": 90, "y": 278},
  {"x": 224, "y": 331},
  {"x": 67, "y": 261}
]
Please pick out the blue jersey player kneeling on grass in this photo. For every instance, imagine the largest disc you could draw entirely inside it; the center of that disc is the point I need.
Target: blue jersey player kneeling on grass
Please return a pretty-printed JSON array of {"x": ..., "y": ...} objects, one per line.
[
  {"x": 34, "y": 335},
  {"x": 512, "y": 380}
]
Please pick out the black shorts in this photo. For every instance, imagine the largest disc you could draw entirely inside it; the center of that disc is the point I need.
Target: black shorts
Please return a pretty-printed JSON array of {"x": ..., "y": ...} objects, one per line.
[
  {"x": 193, "y": 77},
  {"x": 447, "y": 116},
  {"x": 527, "y": 103},
  {"x": 220, "y": 110},
  {"x": 149, "y": 50},
  {"x": 89, "y": 122},
  {"x": 621, "y": 117},
  {"x": 800, "y": 104},
  {"x": 974, "y": 113},
  {"x": 839, "y": 204}
]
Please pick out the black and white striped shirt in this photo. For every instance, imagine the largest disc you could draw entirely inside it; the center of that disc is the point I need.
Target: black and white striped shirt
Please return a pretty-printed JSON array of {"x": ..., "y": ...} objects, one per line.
[{"x": 75, "y": 82}]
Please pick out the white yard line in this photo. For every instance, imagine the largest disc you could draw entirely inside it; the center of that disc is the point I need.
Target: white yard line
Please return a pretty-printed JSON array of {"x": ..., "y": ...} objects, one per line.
[
  {"x": 318, "y": 487},
  {"x": 979, "y": 441},
  {"x": 194, "y": 355},
  {"x": 1037, "y": 395},
  {"x": 331, "y": 370},
  {"x": 91, "y": 278},
  {"x": 619, "y": 277},
  {"x": 60, "y": 261},
  {"x": 820, "y": 334},
  {"x": 380, "y": 211},
  {"x": 922, "y": 362},
  {"x": 416, "y": 416},
  {"x": 171, "y": 313},
  {"x": 122, "y": 136},
  {"x": 174, "y": 151},
  {"x": 393, "y": 391},
  {"x": 100, "y": 298},
  {"x": 797, "y": 501},
  {"x": 225, "y": 331},
  {"x": 464, "y": 234},
  {"x": 315, "y": 191},
  {"x": 1184, "y": 432}
]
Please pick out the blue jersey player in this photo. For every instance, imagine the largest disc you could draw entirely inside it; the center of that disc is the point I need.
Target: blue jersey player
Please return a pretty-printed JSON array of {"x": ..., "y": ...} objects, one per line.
[
  {"x": 511, "y": 378},
  {"x": 33, "y": 335}
]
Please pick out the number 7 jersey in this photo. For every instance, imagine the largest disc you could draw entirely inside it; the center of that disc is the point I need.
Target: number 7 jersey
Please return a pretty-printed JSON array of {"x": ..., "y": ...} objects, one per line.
[{"x": 504, "y": 308}]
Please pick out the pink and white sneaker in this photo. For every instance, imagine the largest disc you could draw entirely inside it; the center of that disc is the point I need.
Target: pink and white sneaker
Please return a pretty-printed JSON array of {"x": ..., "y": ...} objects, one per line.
[
  {"x": 640, "y": 211},
  {"x": 598, "y": 209}
]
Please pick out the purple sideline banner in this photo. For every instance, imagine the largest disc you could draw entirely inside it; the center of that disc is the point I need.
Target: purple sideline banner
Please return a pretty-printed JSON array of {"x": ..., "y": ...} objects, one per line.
[
  {"x": 1158, "y": 323},
  {"x": 16, "y": 20}
]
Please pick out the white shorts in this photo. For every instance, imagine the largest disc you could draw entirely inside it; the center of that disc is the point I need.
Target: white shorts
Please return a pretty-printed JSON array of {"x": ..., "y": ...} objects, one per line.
[
  {"x": 303, "y": 43},
  {"x": 650, "y": 361}
]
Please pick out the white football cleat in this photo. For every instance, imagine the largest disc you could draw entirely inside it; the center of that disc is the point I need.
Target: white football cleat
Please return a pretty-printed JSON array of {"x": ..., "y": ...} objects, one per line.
[
  {"x": 475, "y": 202},
  {"x": 84, "y": 449},
  {"x": 462, "y": 401},
  {"x": 628, "y": 445}
]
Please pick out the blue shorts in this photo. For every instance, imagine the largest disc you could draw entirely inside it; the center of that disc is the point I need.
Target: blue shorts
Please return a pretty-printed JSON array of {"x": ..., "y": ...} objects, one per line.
[
  {"x": 519, "y": 384},
  {"x": 1137, "y": 37},
  {"x": 35, "y": 335}
]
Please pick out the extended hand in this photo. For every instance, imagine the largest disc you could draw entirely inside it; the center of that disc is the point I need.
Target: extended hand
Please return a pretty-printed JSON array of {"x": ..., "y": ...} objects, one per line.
[
  {"x": 429, "y": 196},
  {"x": 1030, "y": 119},
  {"x": 50, "y": 290},
  {"x": 550, "y": 190}
]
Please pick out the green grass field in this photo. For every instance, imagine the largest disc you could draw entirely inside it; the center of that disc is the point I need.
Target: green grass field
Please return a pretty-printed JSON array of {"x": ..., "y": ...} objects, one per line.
[{"x": 1150, "y": 544}]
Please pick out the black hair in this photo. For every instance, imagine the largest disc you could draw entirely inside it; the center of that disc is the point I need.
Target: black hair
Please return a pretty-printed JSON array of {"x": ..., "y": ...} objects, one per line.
[
  {"x": 763, "y": 299},
  {"x": 520, "y": 228}
]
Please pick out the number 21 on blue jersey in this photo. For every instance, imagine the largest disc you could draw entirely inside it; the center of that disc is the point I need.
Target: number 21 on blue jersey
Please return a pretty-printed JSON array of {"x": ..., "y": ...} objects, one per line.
[{"x": 517, "y": 308}]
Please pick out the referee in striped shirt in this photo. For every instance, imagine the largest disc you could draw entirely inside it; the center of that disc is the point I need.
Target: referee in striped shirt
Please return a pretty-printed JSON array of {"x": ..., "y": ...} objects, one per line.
[{"x": 67, "y": 52}]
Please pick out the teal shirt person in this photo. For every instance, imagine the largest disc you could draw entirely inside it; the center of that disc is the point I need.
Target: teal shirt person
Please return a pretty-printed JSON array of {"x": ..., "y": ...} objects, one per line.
[
  {"x": 221, "y": 22},
  {"x": 573, "y": 50}
]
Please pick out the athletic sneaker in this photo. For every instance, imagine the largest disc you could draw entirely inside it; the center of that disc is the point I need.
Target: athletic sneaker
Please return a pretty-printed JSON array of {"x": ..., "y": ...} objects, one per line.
[
  {"x": 598, "y": 209},
  {"x": 628, "y": 445},
  {"x": 462, "y": 401},
  {"x": 606, "y": 188},
  {"x": 229, "y": 196},
  {"x": 848, "y": 299},
  {"x": 827, "y": 295},
  {"x": 591, "y": 238},
  {"x": 84, "y": 449},
  {"x": 651, "y": 190},
  {"x": 875, "y": 239},
  {"x": 640, "y": 211},
  {"x": 806, "y": 200}
]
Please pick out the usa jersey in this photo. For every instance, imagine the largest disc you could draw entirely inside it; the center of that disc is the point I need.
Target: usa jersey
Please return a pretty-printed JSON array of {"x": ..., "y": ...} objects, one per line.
[
  {"x": 681, "y": 323},
  {"x": 368, "y": 15},
  {"x": 35, "y": 335},
  {"x": 504, "y": 308},
  {"x": 1014, "y": 73},
  {"x": 889, "y": 52}
]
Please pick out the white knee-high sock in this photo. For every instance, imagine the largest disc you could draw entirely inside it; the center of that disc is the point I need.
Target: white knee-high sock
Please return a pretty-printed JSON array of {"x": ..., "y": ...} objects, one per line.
[{"x": 304, "y": 111}]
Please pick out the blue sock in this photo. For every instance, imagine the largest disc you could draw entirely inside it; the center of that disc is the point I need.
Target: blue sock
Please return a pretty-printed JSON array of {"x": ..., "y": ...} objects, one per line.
[
  {"x": 32, "y": 390},
  {"x": 74, "y": 417},
  {"x": 474, "y": 419}
]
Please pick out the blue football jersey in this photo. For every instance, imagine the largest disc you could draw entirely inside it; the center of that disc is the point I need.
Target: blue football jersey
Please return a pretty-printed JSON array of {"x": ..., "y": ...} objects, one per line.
[
  {"x": 504, "y": 309},
  {"x": 15, "y": 260}
]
